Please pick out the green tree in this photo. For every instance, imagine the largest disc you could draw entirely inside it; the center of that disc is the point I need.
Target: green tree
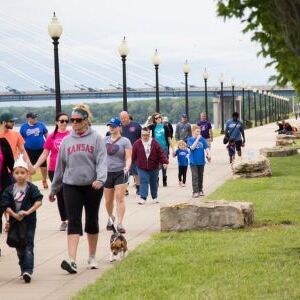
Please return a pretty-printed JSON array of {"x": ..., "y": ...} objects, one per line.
[{"x": 275, "y": 25}]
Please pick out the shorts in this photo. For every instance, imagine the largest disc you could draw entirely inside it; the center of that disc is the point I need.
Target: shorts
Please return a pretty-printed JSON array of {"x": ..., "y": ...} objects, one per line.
[
  {"x": 133, "y": 170},
  {"x": 34, "y": 156},
  {"x": 238, "y": 145},
  {"x": 115, "y": 178}
]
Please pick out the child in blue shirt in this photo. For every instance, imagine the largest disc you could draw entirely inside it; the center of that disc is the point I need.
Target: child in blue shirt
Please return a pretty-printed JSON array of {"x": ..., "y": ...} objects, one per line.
[
  {"x": 199, "y": 149},
  {"x": 182, "y": 159},
  {"x": 231, "y": 150}
]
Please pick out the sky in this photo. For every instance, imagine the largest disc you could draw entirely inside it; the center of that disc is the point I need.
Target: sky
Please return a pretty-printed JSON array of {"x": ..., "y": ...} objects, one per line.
[{"x": 93, "y": 29}]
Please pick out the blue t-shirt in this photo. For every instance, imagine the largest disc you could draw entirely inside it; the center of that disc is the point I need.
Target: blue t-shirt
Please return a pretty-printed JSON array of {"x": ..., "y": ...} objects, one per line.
[
  {"x": 34, "y": 135},
  {"x": 160, "y": 135},
  {"x": 132, "y": 131},
  {"x": 182, "y": 157},
  {"x": 234, "y": 129},
  {"x": 197, "y": 156},
  {"x": 205, "y": 126}
]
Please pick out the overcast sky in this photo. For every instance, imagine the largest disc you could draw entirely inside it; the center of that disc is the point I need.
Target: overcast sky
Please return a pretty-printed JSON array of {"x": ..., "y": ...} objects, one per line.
[{"x": 93, "y": 30}]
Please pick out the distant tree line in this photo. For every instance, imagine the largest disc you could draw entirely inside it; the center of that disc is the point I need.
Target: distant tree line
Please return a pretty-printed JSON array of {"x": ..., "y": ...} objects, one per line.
[{"x": 140, "y": 110}]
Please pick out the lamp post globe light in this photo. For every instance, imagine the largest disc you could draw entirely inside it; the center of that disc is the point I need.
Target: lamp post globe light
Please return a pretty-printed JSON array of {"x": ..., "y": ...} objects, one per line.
[
  {"x": 254, "y": 102},
  {"x": 260, "y": 107},
  {"x": 265, "y": 102},
  {"x": 249, "y": 103},
  {"x": 55, "y": 30},
  {"x": 205, "y": 77},
  {"x": 222, "y": 103},
  {"x": 123, "y": 51},
  {"x": 186, "y": 70},
  {"x": 156, "y": 63},
  {"x": 232, "y": 87}
]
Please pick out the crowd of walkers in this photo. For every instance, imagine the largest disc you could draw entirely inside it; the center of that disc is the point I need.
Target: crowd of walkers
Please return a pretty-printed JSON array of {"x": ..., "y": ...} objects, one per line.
[{"x": 83, "y": 166}]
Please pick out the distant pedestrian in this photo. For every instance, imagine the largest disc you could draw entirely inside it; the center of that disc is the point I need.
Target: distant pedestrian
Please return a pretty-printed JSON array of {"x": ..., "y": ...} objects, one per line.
[
  {"x": 162, "y": 135},
  {"x": 131, "y": 130},
  {"x": 165, "y": 121},
  {"x": 34, "y": 133},
  {"x": 119, "y": 151},
  {"x": 51, "y": 147},
  {"x": 205, "y": 128},
  {"x": 21, "y": 200},
  {"x": 199, "y": 150},
  {"x": 182, "y": 159},
  {"x": 81, "y": 172},
  {"x": 231, "y": 150},
  {"x": 234, "y": 128},
  {"x": 183, "y": 129},
  {"x": 148, "y": 155}
]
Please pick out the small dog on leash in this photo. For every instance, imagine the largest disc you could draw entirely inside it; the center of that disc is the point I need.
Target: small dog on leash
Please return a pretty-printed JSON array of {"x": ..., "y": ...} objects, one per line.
[{"x": 118, "y": 245}]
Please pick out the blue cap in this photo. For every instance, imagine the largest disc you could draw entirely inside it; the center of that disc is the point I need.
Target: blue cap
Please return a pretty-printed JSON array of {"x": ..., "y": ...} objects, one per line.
[
  {"x": 114, "y": 122},
  {"x": 184, "y": 115}
]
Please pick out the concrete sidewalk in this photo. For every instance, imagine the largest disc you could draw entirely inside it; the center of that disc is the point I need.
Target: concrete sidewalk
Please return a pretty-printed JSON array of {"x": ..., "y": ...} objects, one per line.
[{"x": 50, "y": 282}]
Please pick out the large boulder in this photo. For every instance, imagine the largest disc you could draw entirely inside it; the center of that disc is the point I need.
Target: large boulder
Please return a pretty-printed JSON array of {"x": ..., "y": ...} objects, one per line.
[
  {"x": 197, "y": 215},
  {"x": 259, "y": 167},
  {"x": 278, "y": 151}
]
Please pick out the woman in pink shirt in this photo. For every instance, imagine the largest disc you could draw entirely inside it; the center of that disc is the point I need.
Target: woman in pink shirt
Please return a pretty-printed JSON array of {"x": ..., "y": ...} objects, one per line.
[{"x": 51, "y": 147}]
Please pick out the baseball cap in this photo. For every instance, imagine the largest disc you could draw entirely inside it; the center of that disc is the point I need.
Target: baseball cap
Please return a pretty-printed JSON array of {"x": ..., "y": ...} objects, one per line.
[
  {"x": 21, "y": 163},
  {"x": 7, "y": 116},
  {"x": 184, "y": 115},
  {"x": 31, "y": 115},
  {"x": 114, "y": 122}
]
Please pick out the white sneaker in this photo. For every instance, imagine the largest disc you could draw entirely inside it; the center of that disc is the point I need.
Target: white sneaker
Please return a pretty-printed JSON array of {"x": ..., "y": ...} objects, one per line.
[
  {"x": 141, "y": 201},
  {"x": 155, "y": 200},
  {"x": 92, "y": 263}
]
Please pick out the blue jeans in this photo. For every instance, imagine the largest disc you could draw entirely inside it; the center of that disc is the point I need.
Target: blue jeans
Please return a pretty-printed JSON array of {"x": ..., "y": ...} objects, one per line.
[
  {"x": 26, "y": 256},
  {"x": 146, "y": 178}
]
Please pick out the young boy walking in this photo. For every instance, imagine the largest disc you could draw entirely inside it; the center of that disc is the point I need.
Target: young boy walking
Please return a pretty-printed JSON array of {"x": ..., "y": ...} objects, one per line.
[
  {"x": 183, "y": 162},
  {"x": 21, "y": 200},
  {"x": 199, "y": 149}
]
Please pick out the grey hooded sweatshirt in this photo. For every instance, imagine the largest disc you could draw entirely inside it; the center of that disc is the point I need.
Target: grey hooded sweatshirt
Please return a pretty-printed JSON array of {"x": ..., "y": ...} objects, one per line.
[{"x": 81, "y": 160}]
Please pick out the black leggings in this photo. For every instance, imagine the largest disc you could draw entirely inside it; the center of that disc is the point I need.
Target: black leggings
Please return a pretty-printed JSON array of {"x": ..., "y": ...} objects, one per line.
[
  {"x": 182, "y": 173},
  {"x": 77, "y": 197},
  {"x": 60, "y": 200}
]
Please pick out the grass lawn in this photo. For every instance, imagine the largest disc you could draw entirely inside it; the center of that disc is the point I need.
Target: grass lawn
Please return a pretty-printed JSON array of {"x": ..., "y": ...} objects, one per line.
[{"x": 262, "y": 262}]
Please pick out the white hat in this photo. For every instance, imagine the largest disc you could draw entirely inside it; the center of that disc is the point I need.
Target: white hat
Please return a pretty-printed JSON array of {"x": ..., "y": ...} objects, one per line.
[{"x": 21, "y": 163}]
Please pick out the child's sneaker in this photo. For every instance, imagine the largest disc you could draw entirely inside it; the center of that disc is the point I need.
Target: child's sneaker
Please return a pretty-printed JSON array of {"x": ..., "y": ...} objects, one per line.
[
  {"x": 183, "y": 185},
  {"x": 70, "y": 267},
  {"x": 179, "y": 183},
  {"x": 27, "y": 277},
  {"x": 201, "y": 194},
  {"x": 195, "y": 195}
]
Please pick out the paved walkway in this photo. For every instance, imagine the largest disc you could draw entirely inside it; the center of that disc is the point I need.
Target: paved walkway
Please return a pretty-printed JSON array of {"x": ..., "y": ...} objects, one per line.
[{"x": 50, "y": 282}]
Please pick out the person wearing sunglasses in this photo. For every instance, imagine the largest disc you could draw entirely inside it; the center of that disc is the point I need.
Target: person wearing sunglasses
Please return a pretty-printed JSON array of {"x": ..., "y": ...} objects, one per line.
[
  {"x": 81, "y": 172},
  {"x": 162, "y": 135},
  {"x": 51, "y": 147}
]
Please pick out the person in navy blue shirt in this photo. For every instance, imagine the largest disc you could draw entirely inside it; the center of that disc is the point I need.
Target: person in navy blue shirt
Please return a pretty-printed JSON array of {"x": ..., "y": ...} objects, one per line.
[
  {"x": 198, "y": 151},
  {"x": 235, "y": 130},
  {"x": 231, "y": 150},
  {"x": 205, "y": 128},
  {"x": 34, "y": 134},
  {"x": 182, "y": 158}
]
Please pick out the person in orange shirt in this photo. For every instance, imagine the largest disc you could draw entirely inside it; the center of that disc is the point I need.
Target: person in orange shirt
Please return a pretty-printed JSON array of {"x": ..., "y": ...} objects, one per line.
[{"x": 14, "y": 139}]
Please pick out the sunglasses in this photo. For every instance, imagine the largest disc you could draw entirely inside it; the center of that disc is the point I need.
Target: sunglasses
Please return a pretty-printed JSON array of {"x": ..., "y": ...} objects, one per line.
[
  {"x": 63, "y": 121},
  {"x": 157, "y": 117},
  {"x": 76, "y": 120},
  {"x": 10, "y": 121}
]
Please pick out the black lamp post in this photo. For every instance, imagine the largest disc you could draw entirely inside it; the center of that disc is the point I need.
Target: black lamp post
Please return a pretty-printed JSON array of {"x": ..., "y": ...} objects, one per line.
[
  {"x": 55, "y": 30},
  {"x": 205, "y": 77},
  {"x": 186, "y": 70},
  {"x": 260, "y": 108},
  {"x": 255, "y": 112},
  {"x": 232, "y": 88},
  {"x": 276, "y": 107},
  {"x": 123, "y": 51},
  {"x": 156, "y": 62},
  {"x": 265, "y": 102},
  {"x": 222, "y": 103},
  {"x": 249, "y": 104},
  {"x": 270, "y": 108}
]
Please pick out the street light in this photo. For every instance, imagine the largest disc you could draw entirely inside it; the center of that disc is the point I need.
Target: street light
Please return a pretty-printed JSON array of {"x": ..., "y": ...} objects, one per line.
[
  {"x": 186, "y": 70},
  {"x": 123, "y": 51},
  {"x": 232, "y": 86},
  {"x": 255, "y": 112},
  {"x": 222, "y": 103},
  {"x": 55, "y": 30},
  {"x": 156, "y": 63},
  {"x": 260, "y": 107},
  {"x": 205, "y": 77}
]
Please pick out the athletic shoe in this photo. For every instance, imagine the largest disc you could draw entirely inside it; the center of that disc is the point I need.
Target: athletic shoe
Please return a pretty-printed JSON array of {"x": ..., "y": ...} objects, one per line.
[
  {"x": 179, "y": 183},
  {"x": 121, "y": 229},
  {"x": 201, "y": 194},
  {"x": 110, "y": 223},
  {"x": 155, "y": 200},
  {"x": 141, "y": 201},
  {"x": 183, "y": 185},
  {"x": 70, "y": 267},
  {"x": 92, "y": 263},
  {"x": 63, "y": 226},
  {"x": 45, "y": 184},
  {"x": 196, "y": 195},
  {"x": 27, "y": 277}
]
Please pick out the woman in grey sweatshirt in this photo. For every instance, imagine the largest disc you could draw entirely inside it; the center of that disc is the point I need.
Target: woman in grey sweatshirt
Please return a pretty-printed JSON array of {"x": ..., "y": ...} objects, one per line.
[{"x": 81, "y": 172}]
